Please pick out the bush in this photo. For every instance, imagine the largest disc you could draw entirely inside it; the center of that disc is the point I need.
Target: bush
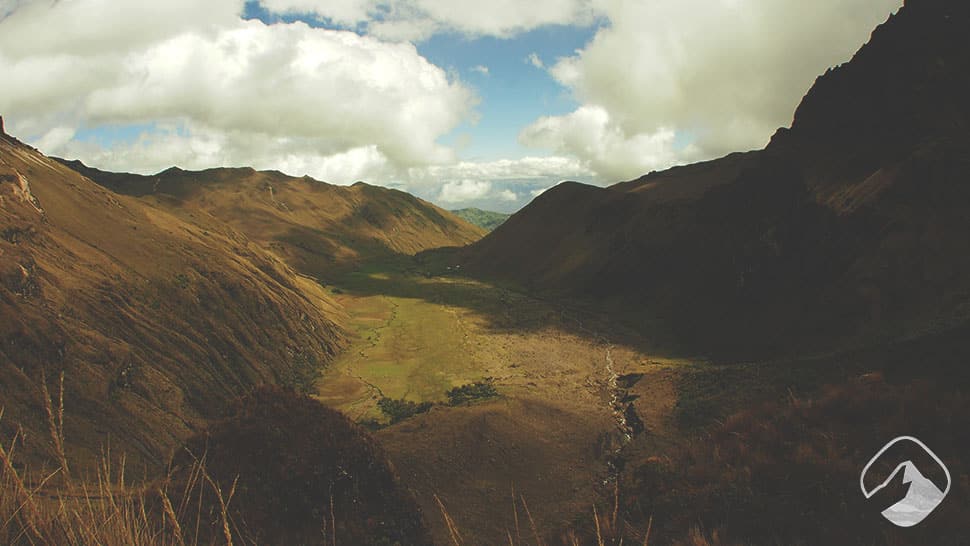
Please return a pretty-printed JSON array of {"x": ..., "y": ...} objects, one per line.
[
  {"x": 479, "y": 390},
  {"x": 399, "y": 410}
]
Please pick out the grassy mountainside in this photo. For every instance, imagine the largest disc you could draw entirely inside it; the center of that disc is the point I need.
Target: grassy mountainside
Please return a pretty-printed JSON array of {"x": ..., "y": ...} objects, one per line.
[
  {"x": 484, "y": 219},
  {"x": 155, "y": 323},
  {"x": 849, "y": 226},
  {"x": 317, "y": 228}
]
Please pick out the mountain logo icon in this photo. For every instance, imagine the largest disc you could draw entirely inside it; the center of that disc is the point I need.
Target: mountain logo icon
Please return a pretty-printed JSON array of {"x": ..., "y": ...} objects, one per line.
[{"x": 922, "y": 495}]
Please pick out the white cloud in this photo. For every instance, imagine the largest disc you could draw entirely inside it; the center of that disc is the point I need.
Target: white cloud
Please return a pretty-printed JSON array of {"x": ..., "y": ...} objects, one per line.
[
  {"x": 527, "y": 168},
  {"x": 464, "y": 190},
  {"x": 330, "y": 103},
  {"x": 481, "y": 69},
  {"x": 535, "y": 61},
  {"x": 55, "y": 138},
  {"x": 418, "y": 19},
  {"x": 503, "y": 184},
  {"x": 723, "y": 75},
  {"x": 666, "y": 82},
  {"x": 590, "y": 133}
]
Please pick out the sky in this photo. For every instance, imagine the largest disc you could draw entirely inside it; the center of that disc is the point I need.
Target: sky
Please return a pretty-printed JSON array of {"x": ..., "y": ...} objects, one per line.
[{"x": 461, "y": 102}]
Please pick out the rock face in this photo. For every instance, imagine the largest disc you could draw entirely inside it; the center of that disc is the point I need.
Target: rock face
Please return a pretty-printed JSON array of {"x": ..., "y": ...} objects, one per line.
[{"x": 849, "y": 226}]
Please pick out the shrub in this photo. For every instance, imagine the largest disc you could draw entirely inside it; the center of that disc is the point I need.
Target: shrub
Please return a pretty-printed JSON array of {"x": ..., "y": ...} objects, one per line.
[
  {"x": 479, "y": 390},
  {"x": 399, "y": 410}
]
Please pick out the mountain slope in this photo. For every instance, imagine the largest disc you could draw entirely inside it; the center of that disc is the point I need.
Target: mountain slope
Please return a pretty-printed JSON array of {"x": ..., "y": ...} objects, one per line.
[
  {"x": 317, "y": 228},
  {"x": 155, "y": 322},
  {"x": 484, "y": 219},
  {"x": 849, "y": 226}
]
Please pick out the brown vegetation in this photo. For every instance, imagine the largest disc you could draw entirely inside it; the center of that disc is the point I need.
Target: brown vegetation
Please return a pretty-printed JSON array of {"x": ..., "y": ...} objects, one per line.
[
  {"x": 302, "y": 474},
  {"x": 319, "y": 229},
  {"x": 283, "y": 470},
  {"x": 155, "y": 323},
  {"x": 787, "y": 472}
]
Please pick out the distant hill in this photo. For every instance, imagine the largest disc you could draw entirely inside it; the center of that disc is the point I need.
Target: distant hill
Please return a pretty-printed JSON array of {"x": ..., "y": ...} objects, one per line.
[
  {"x": 484, "y": 219},
  {"x": 319, "y": 229},
  {"x": 850, "y": 225}
]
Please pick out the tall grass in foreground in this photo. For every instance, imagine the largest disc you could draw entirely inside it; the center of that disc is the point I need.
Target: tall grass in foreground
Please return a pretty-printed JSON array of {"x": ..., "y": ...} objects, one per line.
[
  {"x": 53, "y": 507},
  {"x": 50, "y": 508},
  {"x": 603, "y": 529}
]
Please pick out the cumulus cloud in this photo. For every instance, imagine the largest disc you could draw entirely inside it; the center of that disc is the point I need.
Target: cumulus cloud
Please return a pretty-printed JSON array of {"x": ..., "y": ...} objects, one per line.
[
  {"x": 664, "y": 82},
  {"x": 461, "y": 191},
  {"x": 329, "y": 103},
  {"x": 418, "y": 19},
  {"x": 503, "y": 184},
  {"x": 719, "y": 75},
  {"x": 590, "y": 133}
]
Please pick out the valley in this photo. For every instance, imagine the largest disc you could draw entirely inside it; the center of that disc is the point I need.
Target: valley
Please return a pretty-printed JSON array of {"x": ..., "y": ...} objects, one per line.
[
  {"x": 704, "y": 355},
  {"x": 551, "y": 434}
]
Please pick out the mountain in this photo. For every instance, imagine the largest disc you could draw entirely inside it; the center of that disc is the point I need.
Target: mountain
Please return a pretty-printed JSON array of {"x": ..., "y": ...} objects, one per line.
[
  {"x": 319, "y": 229},
  {"x": 849, "y": 226},
  {"x": 484, "y": 219},
  {"x": 155, "y": 323}
]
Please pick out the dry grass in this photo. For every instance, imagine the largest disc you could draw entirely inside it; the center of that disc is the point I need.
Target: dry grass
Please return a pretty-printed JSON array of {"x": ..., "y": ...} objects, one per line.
[
  {"x": 40, "y": 508},
  {"x": 607, "y": 529},
  {"x": 784, "y": 472}
]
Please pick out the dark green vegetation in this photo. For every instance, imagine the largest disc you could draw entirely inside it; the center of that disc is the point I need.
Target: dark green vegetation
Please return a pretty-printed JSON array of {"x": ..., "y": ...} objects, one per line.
[
  {"x": 484, "y": 219},
  {"x": 300, "y": 471},
  {"x": 399, "y": 410},
  {"x": 479, "y": 390}
]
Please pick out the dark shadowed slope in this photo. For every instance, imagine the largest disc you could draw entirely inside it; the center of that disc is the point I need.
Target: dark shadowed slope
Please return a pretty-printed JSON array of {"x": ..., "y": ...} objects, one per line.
[
  {"x": 850, "y": 225},
  {"x": 317, "y": 228},
  {"x": 155, "y": 322}
]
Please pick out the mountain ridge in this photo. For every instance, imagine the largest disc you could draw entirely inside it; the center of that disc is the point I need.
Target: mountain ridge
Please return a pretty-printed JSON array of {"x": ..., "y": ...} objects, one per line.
[
  {"x": 845, "y": 228},
  {"x": 319, "y": 229}
]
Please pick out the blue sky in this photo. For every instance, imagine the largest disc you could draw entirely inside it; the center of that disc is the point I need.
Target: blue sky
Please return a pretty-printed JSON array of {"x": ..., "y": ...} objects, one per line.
[
  {"x": 437, "y": 97},
  {"x": 513, "y": 93}
]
